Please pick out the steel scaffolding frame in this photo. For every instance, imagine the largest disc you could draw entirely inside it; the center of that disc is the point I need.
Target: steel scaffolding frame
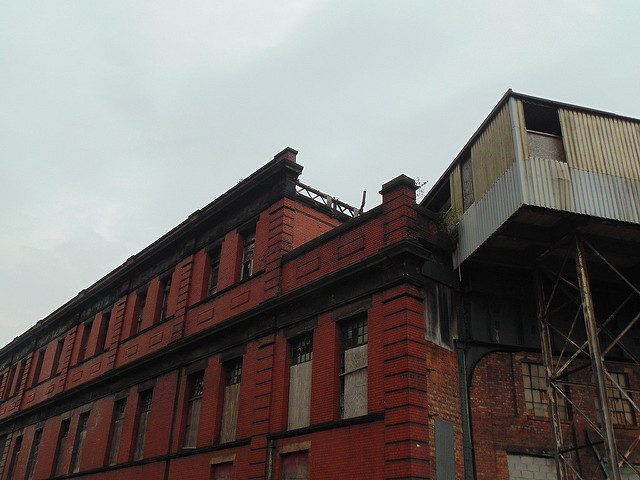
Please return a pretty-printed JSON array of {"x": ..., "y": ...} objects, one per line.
[{"x": 577, "y": 355}]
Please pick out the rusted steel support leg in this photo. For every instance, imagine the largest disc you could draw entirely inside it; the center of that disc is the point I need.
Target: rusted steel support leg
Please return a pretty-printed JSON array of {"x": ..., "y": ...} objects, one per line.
[
  {"x": 596, "y": 360},
  {"x": 547, "y": 357}
]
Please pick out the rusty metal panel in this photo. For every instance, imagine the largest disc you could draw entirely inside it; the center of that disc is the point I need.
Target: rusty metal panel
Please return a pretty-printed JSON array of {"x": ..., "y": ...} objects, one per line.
[
  {"x": 455, "y": 184},
  {"x": 355, "y": 382},
  {"x": 601, "y": 144},
  {"x": 299, "y": 395},
  {"x": 493, "y": 153},
  {"x": 230, "y": 413}
]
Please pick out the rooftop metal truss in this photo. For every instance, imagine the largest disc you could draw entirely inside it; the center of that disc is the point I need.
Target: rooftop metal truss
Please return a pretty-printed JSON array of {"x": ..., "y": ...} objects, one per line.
[{"x": 331, "y": 202}]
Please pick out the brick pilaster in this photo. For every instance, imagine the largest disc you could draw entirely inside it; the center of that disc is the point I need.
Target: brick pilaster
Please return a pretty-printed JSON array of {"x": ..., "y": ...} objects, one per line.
[{"x": 405, "y": 395}]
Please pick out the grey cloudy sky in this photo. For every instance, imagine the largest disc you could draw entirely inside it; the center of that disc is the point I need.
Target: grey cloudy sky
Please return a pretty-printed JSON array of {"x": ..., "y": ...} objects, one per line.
[{"x": 118, "y": 119}]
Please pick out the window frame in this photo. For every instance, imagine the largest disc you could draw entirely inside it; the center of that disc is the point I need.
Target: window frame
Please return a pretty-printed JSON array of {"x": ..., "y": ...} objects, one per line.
[
  {"x": 193, "y": 397},
  {"x": 79, "y": 441},
  {"x": 115, "y": 434},
  {"x": 248, "y": 253},
  {"x": 145, "y": 401},
  {"x": 358, "y": 323},
  {"x": 532, "y": 407}
]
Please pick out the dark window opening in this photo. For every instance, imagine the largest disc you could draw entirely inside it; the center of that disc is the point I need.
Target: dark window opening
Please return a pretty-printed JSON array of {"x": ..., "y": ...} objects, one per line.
[
  {"x": 37, "y": 369},
  {"x": 144, "y": 410},
  {"x": 116, "y": 430},
  {"x": 302, "y": 349},
  {"x": 9, "y": 384},
  {"x": 84, "y": 342},
  {"x": 142, "y": 301},
  {"x": 214, "y": 266},
  {"x": 16, "y": 388},
  {"x": 78, "y": 444},
  {"x": 440, "y": 325},
  {"x": 14, "y": 458},
  {"x": 248, "y": 245},
  {"x": 541, "y": 118},
  {"x": 104, "y": 329},
  {"x": 60, "y": 446},
  {"x": 33, "y": 455},
  {"x": 166, "y": 289},
  {"x": 3, "y": 444},
  {"x": 56, "y": 357},
  {"x": 234, "y": 372},
  {"x": 195, "y": 385}
]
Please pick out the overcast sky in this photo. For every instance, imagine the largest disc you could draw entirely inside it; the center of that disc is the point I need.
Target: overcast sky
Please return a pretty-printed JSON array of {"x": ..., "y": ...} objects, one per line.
[{"x": 118, "y": 119}]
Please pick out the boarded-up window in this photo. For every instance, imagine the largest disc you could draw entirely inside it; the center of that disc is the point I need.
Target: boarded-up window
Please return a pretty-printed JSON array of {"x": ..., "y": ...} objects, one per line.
[
  {"x": 116, "y": 430},
  {"x": 144, "y": 410},
  {"x": 33, "y": 454},
  {"x": 445, "y": 455},
  {"x": 195, "y": 384},
  {"x": 222, "y": 471},
  {"x": 535, "y": 392},
  {"x": 526, "y": 467},
  {"x": 14, "y": 458},
  {"x": 354, "y": 362},
  {"x": 294, "y": 466},
  {"x": 62, "y": 442},
  {"x": 233, "y": 374},
  {"x": 78, "y": 444},
  {"x": 467, "y": 184},
  {"x": 248, "y": 244},
  {"x": 300, "y": 382}
]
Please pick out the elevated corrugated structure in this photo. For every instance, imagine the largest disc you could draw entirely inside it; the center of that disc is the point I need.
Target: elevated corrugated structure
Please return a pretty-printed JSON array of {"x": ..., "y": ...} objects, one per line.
[
  {"x": 532, "y": 152},
  {"x": 546, "y": 196}
]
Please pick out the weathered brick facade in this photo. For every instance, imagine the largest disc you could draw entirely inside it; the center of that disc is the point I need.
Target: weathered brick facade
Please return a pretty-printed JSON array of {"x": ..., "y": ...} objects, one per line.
[{"x": 198, "y": 331}]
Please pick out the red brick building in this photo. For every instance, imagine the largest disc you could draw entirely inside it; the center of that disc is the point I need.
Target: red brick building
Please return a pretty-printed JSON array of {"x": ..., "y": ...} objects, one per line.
[{"x": 278, "y": 333}]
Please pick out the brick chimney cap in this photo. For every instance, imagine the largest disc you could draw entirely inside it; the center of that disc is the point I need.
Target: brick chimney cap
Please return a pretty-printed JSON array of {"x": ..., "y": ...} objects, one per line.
[
  {"x": 401, "y": 181},
  {"x": 288, "y": 153}
]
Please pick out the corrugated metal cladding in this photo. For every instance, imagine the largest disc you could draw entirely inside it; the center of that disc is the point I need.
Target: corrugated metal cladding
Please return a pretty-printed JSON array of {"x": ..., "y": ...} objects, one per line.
[
  {"x": 486, "y": 215},
  {"x": 553, "y": 184},
  {"x": 601, "y": 144},
  {"x": 455, "y": 184},
  {"x": 493, "y": 153}
]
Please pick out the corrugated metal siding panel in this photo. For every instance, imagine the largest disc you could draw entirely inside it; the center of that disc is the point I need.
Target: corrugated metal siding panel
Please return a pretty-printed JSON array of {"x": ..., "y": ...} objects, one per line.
[
  {"x": 485, "y": 216},
  {"x": 523, "y": 129},
  {"x": 455, "y": 184},
  {"x": 493, "y": 153},
  {"x": 553, "y": 184},
  {"x": 601, "y": 144}
]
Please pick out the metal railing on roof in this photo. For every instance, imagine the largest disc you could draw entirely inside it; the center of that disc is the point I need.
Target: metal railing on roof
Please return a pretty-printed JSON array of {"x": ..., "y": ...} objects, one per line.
[{"x": 327, "y": 200}]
